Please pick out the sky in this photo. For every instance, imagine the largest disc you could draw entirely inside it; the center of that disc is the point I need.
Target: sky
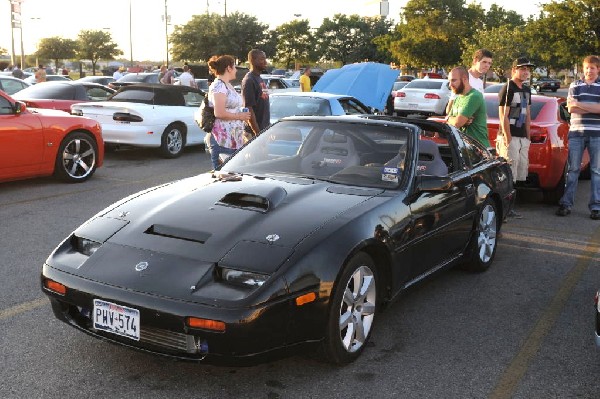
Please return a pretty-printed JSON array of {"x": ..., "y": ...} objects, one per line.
[{"x": 43, "y": 18}]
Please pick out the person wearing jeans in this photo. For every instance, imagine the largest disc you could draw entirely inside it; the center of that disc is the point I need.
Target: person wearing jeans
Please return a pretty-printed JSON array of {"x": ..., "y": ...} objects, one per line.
[{"x": 583, "y": 102}]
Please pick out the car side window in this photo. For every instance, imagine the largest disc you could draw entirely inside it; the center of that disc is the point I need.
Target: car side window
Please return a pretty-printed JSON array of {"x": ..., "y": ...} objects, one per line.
[
  {"x": 193, "y": 99},
  {"x": 97, "y": 94},
  {"x": 474, "y": 152},
  {"x": 5, "y": 107},
  {"x": 351, "y": 107}
]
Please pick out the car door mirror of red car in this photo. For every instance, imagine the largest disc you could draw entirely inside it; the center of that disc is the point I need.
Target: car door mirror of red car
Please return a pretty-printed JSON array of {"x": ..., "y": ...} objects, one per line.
[
  {"x": 564, "y": 112},
  {"x": 20, "y": 107}
]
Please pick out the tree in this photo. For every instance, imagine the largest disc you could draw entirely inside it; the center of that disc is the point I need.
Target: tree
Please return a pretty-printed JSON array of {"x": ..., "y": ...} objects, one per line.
[
  {"x": 206, "y": 35},
  {"x": 498, "y": 16},
  {"x": 565, "y": 32},
  {"x": 95, "y": 45},
  {"x": 432, "y": 32},
  {"x": 56, "y": 48},
  {"x": 294, "y": 42}
]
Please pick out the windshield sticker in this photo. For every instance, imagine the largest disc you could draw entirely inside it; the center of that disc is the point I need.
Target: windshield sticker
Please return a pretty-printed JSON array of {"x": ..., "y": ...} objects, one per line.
[{"x": 390, "y": 175}]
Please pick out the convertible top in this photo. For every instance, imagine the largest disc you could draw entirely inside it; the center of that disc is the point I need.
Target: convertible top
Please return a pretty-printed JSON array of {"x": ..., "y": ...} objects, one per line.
[{"x": 153, "y": 93}]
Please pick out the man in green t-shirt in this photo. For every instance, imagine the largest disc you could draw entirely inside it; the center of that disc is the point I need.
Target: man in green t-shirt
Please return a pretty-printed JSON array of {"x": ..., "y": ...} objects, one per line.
[{"x": 468, "y": 111}]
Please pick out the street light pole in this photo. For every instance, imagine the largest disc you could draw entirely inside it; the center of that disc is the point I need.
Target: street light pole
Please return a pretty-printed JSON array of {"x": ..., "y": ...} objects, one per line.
[
  {"x": 130, "y": 40},
  {"x": 166, "y": 31}
]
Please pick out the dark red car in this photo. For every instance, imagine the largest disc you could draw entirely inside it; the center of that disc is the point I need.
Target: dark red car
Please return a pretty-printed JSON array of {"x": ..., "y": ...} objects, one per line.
[
  {"x": 44, "y": 142},
  {"x": 61, "y": 95}
]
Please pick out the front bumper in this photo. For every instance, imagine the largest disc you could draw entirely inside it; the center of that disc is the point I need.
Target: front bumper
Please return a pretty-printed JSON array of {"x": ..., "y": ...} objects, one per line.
[{"x": 251, "y": 333}]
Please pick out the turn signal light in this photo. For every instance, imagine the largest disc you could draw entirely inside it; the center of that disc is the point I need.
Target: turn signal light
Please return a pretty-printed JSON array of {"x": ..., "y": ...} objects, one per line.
[
  {"x": 432, "y": 96},
  {"x": 206, "y": 324},
  {"x": 55, "y": 287},
  {"x": 306, "y": 298}
]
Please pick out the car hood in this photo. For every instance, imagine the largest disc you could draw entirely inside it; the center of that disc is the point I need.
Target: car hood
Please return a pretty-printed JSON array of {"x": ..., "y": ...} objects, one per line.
[{"x": 182, "y": 230}]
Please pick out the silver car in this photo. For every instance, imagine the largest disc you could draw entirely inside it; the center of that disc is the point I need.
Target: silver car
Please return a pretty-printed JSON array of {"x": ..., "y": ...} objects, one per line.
[{"x": 423, "y": 96}]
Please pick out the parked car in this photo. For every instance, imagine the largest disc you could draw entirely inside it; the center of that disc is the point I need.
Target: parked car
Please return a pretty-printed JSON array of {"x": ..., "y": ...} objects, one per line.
[
  {"x": 135, "y": 78},
  {"x": 103, "y": 80},
  {"x": 284, "y": 104},
  {"x": 11, "y": 85},
  {"x": 148, "y": 115},
  {"x": 399, "y": 84},
  {"x": 423, "y": 96},
  {"x": 273, "y": 254},
  {"x": 39, "y": 142},
  {"x": 496, "y": 87},
  {"x": 49, "y": 78},
  {"x": 546, "y": 83},
  {"x": 61, "y": 95},
  {"x": 548, "y": 151}
]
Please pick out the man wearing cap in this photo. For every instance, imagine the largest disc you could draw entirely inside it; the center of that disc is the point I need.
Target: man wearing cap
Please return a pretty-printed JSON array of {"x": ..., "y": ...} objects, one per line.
[
  {"x": 515, "y": 119},
  {"x": 583, "y": 102}
]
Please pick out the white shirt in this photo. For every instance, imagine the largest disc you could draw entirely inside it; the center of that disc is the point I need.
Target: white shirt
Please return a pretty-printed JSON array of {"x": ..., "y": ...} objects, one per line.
[
  {"x": 186, "y": 79},
  {"x": 117, "y": 75}
]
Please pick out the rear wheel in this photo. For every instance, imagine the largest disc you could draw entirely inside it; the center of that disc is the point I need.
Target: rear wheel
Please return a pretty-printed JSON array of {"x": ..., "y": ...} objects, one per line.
[
  {"x": 553, "y": 195},
  {"x": 76, "y": 158},
  {"x": 172, "y": 141},
  {"x": 484, "y": 242},
  {"x": 352, "y": 310}
]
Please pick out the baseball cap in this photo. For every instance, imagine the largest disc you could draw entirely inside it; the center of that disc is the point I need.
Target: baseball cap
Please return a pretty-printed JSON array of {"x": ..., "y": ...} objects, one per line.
[{"x": 522, "y": 62}]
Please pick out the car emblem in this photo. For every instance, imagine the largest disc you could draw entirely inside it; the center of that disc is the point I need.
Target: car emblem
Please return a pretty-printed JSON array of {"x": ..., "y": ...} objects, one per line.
[
  {"x": 141, "y": 266},
  {"x": 272, "y": 237}
]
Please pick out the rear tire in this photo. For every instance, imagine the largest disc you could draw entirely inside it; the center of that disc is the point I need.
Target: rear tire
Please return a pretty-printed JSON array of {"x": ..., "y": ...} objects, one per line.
[
  {"x": 172, "y": 141},
  {"x": 352, "y": 310},
  {"x": 76, "y": 158},
  {"x": 552, "y": 196},
  {"x": 482, "y": 248}
]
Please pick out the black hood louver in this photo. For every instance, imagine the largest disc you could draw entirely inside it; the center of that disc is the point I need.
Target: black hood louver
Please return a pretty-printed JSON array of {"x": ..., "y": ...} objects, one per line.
[
  {"x": 178, "y": 233},
  {"x": 259, "y": 199}
]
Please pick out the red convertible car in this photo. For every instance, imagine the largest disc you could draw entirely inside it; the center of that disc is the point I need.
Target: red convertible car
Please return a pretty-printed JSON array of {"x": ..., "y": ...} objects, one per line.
[
  {"x": 44, "y": 142},
  {"x": 549, "y": 143},
  {"x": 61, "y": 95}
]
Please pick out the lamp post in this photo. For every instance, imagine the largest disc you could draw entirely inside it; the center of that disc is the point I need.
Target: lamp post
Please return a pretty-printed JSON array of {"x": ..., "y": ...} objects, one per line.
[
  {"x": 130, "y": 40},
  {"x": 37, "y": 47},
  {"x": 166, "y": 32}
]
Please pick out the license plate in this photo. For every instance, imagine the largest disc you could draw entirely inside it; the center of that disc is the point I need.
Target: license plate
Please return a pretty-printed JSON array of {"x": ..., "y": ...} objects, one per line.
[
  {"x": 413, "y": 106},
  {"x": 117, "y": 319}
]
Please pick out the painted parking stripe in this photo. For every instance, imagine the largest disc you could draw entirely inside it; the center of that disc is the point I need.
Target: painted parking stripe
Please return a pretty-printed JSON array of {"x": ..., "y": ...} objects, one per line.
[{"x": 22, "y": 308}]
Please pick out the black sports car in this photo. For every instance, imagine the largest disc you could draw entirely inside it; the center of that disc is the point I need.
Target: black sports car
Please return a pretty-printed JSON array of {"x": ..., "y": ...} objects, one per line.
[{"x": 300, "y": 237}]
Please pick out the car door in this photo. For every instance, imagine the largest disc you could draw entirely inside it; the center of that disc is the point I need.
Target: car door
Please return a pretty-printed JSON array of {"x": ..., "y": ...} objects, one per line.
[
  {"x": 21, "y": 142},
  {"x": 442, "y": 220}
]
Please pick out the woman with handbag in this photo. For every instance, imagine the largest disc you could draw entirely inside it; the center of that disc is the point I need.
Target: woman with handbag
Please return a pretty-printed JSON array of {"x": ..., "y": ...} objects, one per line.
[{"x": 227, "y": 133}]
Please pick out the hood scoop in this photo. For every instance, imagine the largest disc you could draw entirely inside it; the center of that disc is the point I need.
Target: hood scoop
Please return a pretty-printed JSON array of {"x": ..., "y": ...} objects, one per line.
[
  {"x": 256, "y": 198},
  {"x": 178, "y": 233}
]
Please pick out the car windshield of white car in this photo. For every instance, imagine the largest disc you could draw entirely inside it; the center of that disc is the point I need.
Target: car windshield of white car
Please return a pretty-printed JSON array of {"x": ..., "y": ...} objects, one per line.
[
  {"x": 425, "y": 84},
  {"x": 282, "y": 106},
  {"x": 350, "y": 153}
]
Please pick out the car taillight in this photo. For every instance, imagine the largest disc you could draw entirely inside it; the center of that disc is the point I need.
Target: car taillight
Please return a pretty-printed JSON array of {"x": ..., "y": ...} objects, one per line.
[
  {"x": 400, "y": 94},
  {"x": 538, "y": 135},
  {"x": 432, "y": 96}
]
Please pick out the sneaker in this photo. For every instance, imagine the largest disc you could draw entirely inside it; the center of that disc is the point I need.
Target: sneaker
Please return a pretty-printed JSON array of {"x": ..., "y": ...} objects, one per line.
[
  {"x": 513, "y": 214},
  {"x": 595, "y": 214},
  {"x": 563, "y": 211}
]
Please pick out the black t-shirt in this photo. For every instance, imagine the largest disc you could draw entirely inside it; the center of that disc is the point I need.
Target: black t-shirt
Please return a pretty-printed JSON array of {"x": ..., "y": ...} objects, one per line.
[
  {"x": 256, "y": 97},
  {"x": 517, "y": 98}
]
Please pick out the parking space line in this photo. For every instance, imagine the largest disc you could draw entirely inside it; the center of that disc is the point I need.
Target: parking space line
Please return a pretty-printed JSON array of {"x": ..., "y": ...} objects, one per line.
[
  {"x": 22, "y": 308},
  {"x": 514, "y": 373}
]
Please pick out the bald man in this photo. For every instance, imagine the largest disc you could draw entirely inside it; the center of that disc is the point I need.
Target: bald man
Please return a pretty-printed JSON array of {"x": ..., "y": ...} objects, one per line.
[{"x": 468, "y": 112}]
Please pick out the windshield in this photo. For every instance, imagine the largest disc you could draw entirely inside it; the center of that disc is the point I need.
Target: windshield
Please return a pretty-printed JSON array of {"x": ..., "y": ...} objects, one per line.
[
  {"x": 356, "y": 154},
  {"x": 282, "y": 106},
  {"x": 426, "y": 84},
  {"x": 493, "y": 104}
]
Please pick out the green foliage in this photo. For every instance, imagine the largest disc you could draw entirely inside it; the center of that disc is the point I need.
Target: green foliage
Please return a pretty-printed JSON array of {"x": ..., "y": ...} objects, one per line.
[
  {"x": 294, "y": 42},
  {"x": 56, "y": 48},
  {"x": 213, "y": 34},
  {"x": 565, "y": 32},
  {"x": 351, "y": 39},
  {"x": 95, "y": 45}
]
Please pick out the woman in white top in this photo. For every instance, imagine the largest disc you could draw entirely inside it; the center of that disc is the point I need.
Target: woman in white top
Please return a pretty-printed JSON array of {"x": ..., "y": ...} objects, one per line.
[{"x": 227, "y": 135}]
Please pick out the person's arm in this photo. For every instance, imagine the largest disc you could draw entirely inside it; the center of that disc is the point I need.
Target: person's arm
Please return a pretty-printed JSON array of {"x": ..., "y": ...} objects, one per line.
[
  {"x": 248, "y": 86},
  {"x": 220, "y": 99},
  {"x": 458, "y": 121},
  {"x": 503, "y": 112},
  {"x": 449, "y": 106},
  {"x": 578, "y": 107}
]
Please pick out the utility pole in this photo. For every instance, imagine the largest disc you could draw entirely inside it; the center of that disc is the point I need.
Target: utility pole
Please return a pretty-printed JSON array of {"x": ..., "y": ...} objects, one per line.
[{"x": 166, "y": 31}]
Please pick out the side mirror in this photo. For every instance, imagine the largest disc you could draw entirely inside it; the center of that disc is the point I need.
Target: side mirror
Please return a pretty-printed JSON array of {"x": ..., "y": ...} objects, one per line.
[
  {"x": 564, "y": 112},
  {"x": 20, "y": 107},
  {"x": 433, "y": 183}
]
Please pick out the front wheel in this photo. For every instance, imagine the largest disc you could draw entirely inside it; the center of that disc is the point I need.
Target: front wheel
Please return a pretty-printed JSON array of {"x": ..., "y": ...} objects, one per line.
[
  {"x": 484, "y": 242},
  {"x": 76, "y": 158},
  {"x": 352, "y": 310},
  {"x": 172, "y": 141}
]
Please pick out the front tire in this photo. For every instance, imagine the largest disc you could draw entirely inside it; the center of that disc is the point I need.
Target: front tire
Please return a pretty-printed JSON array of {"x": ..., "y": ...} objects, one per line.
[
  {"x": 482, "y": 247},
  {"x": 76, "y": 158},
  {"x": 172, "y": 141},
  {"x": 352, "y": 310}
]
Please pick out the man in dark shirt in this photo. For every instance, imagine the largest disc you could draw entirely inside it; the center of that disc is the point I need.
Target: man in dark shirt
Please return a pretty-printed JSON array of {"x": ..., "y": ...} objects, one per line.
[{"x": 254, "y": 91}]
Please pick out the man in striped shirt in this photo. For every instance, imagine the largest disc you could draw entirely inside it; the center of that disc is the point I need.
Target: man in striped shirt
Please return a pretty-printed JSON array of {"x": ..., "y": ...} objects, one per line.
[{"x": 583, "y": 102}]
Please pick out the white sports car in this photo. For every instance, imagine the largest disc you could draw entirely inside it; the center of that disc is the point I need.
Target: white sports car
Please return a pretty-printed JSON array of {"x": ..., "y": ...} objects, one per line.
[{"x": 148, "y": 115}]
